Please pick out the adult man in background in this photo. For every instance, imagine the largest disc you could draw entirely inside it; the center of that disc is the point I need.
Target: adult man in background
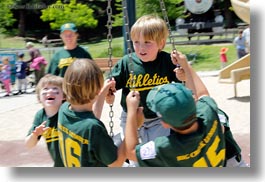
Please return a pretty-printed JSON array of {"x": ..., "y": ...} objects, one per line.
[{"x": 70, "y": 51}]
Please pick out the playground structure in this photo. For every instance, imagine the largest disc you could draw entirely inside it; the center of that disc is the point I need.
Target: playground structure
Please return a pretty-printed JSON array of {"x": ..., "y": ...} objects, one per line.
[
  {"x": 242, "y": 9},
  {"x": 240, "y": 69},
  {"x": 236, "y": 72}
]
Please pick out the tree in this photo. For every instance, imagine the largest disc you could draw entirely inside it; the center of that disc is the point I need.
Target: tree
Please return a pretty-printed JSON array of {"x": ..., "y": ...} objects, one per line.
[
  {"x": 6, "y": 15},
  {"x": 151, "y": 7},
  {"x": 60, "y": 13}
]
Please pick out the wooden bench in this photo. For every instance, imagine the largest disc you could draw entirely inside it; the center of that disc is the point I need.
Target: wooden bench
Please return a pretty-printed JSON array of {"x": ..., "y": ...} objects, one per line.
[
  {"x": 103, "y": 63},
  {"x": 236, "y": 72}
]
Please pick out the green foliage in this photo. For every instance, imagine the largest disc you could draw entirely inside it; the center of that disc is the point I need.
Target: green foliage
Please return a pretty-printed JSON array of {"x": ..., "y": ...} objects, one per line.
[
  {"x": 116, "y": 52},
  {"x": 153, "y": 7},
  {"x": 60, "y": 13},
  {"x": 207, "y": 57},
  {"x": 150, "y": 7},
  {"x": 100, "y": 49},
  {"x": 6, "y": 15},
  {"x": 118, "y": 18}
]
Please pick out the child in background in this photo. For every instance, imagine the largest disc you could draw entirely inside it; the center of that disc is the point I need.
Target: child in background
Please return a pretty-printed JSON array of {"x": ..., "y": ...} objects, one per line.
[
  {"x": 83, "y": 138},
  {"x": 21, "y": 67},
  {"x": 50, "y": 95},
  {"x": 223, "y": 57},
  {"x": 5, "y": 75}
]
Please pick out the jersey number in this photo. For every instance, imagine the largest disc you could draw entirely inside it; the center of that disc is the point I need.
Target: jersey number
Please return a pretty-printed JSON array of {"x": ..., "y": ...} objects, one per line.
[
  {"x": 213, "y": 157},
  {"x": 69, "y": 150}
]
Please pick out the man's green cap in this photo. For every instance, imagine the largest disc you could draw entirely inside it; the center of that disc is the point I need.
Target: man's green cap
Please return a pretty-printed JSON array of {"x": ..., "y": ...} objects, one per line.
[{"x": 68, "y": 26}]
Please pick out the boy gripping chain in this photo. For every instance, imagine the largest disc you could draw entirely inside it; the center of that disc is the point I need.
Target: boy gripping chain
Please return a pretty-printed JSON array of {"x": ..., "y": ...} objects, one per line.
[
  {"x": 50, "y": 95},
  {"x": 196, "y": 138},
  {"x": 84, "y": 140},
  {"x": 151, "y": 67}
]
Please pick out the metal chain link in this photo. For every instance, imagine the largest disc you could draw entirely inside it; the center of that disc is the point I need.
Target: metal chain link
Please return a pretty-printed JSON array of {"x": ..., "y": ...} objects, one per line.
[
  {"x": 109, "y": 36},
  {"x": 110, "y": 63},
  {"x": 171, "y": 38},
  {"x": 164, "y": 12},
  {"x": 128, "y": 42}
]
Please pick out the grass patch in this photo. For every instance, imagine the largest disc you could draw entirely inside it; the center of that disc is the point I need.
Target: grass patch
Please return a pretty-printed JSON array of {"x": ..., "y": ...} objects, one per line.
[{"x": 204, "y": 57}]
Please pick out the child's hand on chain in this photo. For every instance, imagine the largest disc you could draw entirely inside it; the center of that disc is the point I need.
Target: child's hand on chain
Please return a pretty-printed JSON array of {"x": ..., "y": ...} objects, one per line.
[{"x": 179, "y": 59}]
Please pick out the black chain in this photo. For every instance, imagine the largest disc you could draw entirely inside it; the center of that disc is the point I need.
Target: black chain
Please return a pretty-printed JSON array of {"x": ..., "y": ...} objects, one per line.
[
  {"x": 128, "y": 42},
  {"x": 171, "y": 38},
  {"x": 164, "y": 12},
  {"x": 109, "y": 37}
]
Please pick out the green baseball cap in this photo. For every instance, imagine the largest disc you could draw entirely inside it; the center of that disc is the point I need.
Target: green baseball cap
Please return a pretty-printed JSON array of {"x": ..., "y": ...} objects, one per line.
[
  {"x": 173, "y": 102},
  {"x": 68, "y": 26}
]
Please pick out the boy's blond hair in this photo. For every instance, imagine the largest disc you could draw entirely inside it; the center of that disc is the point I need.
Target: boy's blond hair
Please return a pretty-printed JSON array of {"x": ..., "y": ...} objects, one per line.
[
  {"x": 83, "y": 81},
  {"x": 151, "y": 27},
  {"x": 5, "y": 59},
  {"x": 49, "y": 79}
]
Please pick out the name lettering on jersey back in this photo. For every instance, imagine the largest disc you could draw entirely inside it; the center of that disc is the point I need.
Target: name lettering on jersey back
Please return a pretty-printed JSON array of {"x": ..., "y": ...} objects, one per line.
[
  {"x": 146, "y": 81},
  {"x": 203, "y": 143},
  {"x": 72, "y": 134}
]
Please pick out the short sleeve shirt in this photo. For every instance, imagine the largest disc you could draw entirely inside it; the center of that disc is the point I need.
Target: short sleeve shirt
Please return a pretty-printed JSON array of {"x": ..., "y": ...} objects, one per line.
[
  {"x": 203, "y": 148},
  {"x": 63, "y": 58},
  {"x": 146, "y": 75},
  {"x": 51, "y": 135},
  {"x": 84, "y": 141}
]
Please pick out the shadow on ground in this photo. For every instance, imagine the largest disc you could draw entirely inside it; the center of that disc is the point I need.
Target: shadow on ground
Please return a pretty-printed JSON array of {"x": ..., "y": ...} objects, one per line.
[{"x": 240, "y": 99}]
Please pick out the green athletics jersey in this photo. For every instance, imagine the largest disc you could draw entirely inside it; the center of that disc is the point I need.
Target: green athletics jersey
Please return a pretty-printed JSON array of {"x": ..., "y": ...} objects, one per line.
[
  {"x": 146, "y": 75},
  {"x": 51, "y": 135},
  {"x": 84, "y": 140},
  {"x": 63, "y": 58},
  {"x": 203, "y": 148}
]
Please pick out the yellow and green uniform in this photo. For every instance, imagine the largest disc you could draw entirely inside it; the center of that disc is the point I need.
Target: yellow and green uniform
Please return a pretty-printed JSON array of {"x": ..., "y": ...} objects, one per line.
[
  {"x": 84, "y": 140},
  {"x": 63, "y": 58},
  {"x": 203, "y": 148},
  {"x": 51, "y": 135},
  {"x": 146, "y": 75}
]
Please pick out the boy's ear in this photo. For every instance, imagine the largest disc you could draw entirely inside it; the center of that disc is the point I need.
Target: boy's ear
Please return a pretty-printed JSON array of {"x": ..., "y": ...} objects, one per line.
[{"x": 162, "y": 44}]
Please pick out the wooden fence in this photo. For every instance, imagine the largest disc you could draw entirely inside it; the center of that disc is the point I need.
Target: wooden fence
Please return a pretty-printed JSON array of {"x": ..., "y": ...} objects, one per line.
[{"x": 226, "y": 36}]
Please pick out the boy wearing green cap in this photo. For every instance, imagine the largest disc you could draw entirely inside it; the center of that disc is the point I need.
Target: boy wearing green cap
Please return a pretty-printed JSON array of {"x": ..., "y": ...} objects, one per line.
[
  {"x": 196, "y": 138},
  {"x": 70, "y": 51}
]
